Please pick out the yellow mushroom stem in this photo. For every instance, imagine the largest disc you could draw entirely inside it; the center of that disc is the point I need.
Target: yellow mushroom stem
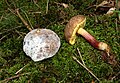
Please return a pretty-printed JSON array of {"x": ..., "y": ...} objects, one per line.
[{"x": 96, "y": 44}]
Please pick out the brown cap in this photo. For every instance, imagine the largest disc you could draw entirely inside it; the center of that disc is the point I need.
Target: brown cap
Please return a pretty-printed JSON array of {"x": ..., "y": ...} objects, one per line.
[{"x": 72, "y": 27}]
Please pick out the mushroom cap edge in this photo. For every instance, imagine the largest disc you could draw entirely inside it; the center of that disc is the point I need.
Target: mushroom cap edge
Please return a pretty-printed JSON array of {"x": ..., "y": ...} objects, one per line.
[{"x": 72, "y": 27}]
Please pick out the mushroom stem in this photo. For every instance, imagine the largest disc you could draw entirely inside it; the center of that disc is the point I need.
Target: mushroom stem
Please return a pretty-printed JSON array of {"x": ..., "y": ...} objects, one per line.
[{"x": 93, "y": 41}]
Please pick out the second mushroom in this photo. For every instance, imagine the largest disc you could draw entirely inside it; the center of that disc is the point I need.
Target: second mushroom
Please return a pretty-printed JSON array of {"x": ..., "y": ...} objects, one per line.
[{"x": 75, "y": 26}]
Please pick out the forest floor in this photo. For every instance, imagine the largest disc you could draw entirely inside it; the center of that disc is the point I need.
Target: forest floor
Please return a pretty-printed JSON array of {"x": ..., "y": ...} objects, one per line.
[{"x": 16, "y": 67}]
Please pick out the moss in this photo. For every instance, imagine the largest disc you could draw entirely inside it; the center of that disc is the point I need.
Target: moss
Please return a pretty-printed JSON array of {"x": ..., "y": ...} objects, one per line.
[{"x": 60, "y": 68}]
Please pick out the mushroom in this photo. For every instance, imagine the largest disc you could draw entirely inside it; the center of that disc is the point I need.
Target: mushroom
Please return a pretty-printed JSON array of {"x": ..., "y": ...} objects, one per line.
[
  {"x": 40, "y": 44},
  {"x": 76, "y": 25}
]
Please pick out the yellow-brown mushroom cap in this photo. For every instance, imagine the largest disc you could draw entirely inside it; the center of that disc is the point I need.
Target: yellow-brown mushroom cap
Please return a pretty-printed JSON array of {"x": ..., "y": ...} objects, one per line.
[{"x": 72, "y": 27}]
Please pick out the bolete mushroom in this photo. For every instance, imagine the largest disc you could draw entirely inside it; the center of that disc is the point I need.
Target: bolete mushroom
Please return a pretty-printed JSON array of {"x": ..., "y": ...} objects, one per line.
[
  {"x": 40, "y": 44},
  {"x": 76, "y": 25}
]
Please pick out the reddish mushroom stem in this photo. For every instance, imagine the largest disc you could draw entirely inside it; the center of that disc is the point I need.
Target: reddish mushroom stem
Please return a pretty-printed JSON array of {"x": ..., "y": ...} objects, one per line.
[
  {"x": 88, "y": 37},
  {"x": 93, "y": 41}
]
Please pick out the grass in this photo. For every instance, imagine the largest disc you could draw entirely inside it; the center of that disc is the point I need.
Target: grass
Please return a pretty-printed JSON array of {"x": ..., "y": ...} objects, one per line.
[{"x": 61, "y": 68}]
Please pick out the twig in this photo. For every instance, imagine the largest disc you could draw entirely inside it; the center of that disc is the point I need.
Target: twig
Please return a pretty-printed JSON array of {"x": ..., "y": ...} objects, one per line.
[
  {"x": 12, "y": 11},
  {"x": 7, "y": 30},
  {"x": 85, "y": 68},
  {"x": 117, "y": 30},
  {"x": 36, "y": 4},
  {"x": 91, "y": 7},
  {"x": 20, "y": 70},
  {"x": 17, "y": 11},
  {"x": 23, "y": 33},
  {"x": 20, "y": 34},
  {"x": 24, "y": 22},
  {"x": 7, "y": 3},
  {"x": 1, "y": 18},
  {"x": 14, "y": 4},
  {"x": 9, "y": 7},
  {"x": 47, "y": 6},
  {"x": 28, "y": 19},
  {"x": 3, "y": 37},
  {"x": 117, "y": 9},
  {"x": 13, "y": 77},
  {"x": 80, "y": 56},
  {"x": 115, "y": 75},
  {"x": 116, "y": 5}
]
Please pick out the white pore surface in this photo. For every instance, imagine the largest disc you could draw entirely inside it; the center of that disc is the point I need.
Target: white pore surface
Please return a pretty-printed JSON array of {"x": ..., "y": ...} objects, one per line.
[{"x": 40, "y": 44}]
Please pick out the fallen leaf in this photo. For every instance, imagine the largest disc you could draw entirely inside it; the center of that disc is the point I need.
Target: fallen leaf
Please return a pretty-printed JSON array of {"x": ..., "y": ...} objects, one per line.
[
  {"x": 109, "y": 3},
  {"x": 109, "y": 59},
  {"x": 110, "y": 11},
  {"x": 102, "y": 4},
  {"x": 64, "y": 5},
  {"x": 106, "y": 7}
]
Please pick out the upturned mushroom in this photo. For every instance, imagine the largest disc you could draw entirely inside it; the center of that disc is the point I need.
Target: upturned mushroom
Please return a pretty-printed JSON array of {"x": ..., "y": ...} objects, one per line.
[
  {"x": 76, "y": 25},
  {"x": 40, "y": 44}
]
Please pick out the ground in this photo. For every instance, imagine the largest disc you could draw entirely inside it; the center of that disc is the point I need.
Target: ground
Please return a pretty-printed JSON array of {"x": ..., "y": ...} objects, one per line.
[{"x": 62, "y": 67}]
